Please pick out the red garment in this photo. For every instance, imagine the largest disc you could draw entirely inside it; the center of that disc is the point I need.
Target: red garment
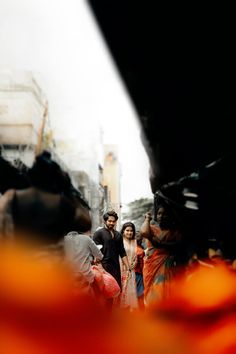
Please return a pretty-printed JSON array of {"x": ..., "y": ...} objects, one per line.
[{"x": 159, "y": 266}]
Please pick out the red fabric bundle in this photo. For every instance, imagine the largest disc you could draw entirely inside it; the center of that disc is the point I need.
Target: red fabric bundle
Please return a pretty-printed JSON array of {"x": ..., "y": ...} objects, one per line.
[{"x": 106, "y": 282}]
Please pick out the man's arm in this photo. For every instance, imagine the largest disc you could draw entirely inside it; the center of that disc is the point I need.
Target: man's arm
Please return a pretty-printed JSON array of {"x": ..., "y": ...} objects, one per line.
[
  {"x": 95, "y": 250},
  {"x": 97, "y": 238},
  {"x": 69, "y": 248}
]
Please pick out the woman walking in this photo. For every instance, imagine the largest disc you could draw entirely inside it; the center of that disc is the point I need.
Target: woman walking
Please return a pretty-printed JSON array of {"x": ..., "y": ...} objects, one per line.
[{"x": 128, "y": 297}]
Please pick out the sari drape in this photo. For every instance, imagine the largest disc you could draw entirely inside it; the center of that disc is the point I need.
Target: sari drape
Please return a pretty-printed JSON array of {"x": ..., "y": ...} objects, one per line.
[{"x": 159, "y": 268}]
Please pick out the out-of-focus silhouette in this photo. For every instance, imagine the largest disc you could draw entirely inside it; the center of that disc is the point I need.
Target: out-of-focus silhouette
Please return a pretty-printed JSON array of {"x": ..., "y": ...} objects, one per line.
[
  {"x": 47, "y": 208},
  {"x": 12, "y": 177},
  {"x": 181, "y": 78}
]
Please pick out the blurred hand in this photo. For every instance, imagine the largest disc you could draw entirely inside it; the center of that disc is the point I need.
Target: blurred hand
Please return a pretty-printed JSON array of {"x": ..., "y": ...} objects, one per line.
[{"x": 148, "y": 216}]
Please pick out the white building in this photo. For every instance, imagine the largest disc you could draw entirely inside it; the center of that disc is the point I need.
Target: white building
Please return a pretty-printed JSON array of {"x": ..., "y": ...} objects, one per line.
[
  {"x": 84, "y": 161},
  {"x": 23, "y": 114},
  {"x": 23, "y": 124}
]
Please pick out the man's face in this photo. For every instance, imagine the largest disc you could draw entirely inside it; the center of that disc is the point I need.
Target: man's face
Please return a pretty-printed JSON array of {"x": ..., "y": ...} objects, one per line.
[{"x": 110, "y": 223}]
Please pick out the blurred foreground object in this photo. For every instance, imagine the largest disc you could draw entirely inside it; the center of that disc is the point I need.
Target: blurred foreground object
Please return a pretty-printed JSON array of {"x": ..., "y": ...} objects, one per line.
[
  {"x": 46, "y": 210},
  {"x": 181, "y": 78},
  {"x": 39, "y": 314}
]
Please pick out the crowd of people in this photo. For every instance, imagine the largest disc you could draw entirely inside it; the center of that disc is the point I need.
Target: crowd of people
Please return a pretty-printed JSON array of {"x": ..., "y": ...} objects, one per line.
[
  {"x": 144, "y": 263},
  {"x": 58, "y": 278},
  {"x": 129, "y": 269}
]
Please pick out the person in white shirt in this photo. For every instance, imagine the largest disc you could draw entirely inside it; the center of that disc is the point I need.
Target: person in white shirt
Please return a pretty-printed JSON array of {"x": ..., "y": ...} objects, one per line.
[{"x": 80, "y": 251}]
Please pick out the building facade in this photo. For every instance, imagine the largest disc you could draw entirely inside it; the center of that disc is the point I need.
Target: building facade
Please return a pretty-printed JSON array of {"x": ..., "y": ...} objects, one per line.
[
  {"x": 23, "y": 114},
  {"x": 111, "y": 180},
  {"x": 24, "y": 132}
]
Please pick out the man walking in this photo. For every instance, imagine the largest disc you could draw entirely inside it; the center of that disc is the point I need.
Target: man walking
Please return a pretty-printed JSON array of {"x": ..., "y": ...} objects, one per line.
[{"x": 112, "y": 246}]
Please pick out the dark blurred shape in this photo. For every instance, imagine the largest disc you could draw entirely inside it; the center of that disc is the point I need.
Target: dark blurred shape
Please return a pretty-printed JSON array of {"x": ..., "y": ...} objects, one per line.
[
  {"x": 12, "y": 177},
  {"x": 204, "y": 202},
  {"x": 178, "y": 64},
  {"x": 46, "y": 174},
  {"x": 47, "y": 209}
]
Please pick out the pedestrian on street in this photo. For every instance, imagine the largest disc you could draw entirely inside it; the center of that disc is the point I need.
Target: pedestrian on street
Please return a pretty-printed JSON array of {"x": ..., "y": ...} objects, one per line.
[
  {"x": 80, "y": 252},
  {"x": 129, "y": 299},
  {"x": 160, "y": 261},
  {"x": 112, "y": 248}
]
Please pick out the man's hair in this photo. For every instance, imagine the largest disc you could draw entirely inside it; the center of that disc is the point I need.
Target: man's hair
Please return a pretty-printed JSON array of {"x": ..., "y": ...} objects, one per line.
[
  {"x": 72, "y": 233},
  {"x": 46, "y": 174},
  {"x": 110, "y": 213}
]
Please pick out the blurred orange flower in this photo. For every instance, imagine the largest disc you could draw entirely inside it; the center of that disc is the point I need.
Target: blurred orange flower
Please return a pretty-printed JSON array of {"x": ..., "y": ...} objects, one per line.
[{"x": 40, "y": 314}]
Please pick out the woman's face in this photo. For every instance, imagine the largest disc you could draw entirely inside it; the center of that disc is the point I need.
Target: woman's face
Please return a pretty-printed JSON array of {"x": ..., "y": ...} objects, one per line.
[
  {"x": 128, "y": 232},
  {"x": 161, "y": 213},
  {"x": 163, "y": 217}
]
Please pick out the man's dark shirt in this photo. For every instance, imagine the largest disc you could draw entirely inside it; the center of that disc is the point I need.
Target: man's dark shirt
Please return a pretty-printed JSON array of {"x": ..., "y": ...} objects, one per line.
[{"x": 112, "y": 249}]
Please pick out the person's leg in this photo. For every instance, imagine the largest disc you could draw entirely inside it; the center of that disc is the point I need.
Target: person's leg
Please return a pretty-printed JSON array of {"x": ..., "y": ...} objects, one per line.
[{"x": 141, "y": 302}]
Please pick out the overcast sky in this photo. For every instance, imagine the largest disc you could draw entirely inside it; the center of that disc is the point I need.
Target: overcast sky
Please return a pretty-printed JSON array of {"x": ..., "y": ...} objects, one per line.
[{"x": 60, "y": 42}]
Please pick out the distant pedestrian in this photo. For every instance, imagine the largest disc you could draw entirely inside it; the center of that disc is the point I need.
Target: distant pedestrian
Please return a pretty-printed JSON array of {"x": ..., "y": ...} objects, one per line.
[
  {"x": 80, "y": 252},
  {"x": 129, "y": 297},
  {"x": 160, "y": 259},
  {"x": 112, "y": 247}
]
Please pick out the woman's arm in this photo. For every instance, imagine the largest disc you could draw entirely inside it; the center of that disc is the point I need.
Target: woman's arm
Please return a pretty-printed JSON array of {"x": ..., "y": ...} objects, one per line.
[
  {"x": 125, "y": 261},
  {"x": 145, "y": 230},
  {"x": 167, "y": 239}
]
